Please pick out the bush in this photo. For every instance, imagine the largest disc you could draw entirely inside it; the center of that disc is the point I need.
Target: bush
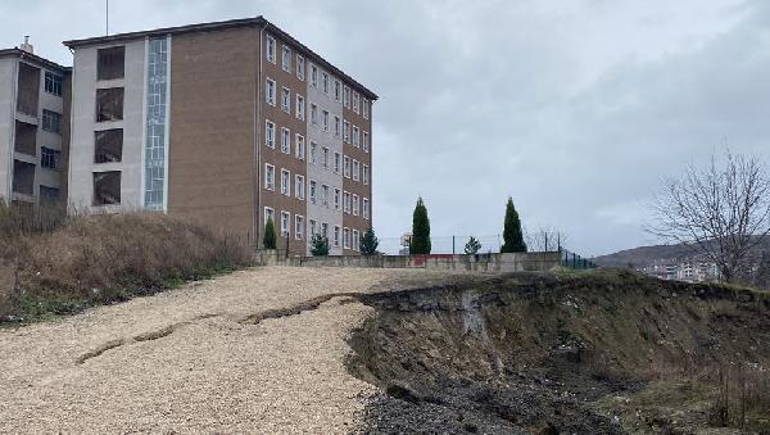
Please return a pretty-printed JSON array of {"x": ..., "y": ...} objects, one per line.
[
  {"x": 104, "y": 258},
  {"x": 420, "y": 243},
  {"x": 369, "y": 243},
  {"x": 319, "y": 246},
  {"x": 473, "y": 246}
]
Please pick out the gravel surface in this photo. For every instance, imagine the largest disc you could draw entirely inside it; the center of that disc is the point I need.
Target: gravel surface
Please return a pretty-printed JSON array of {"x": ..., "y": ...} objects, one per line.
[{"x": 196, "y": 360}]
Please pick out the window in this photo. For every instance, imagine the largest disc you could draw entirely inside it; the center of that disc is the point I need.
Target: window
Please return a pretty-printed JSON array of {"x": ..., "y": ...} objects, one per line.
[
  {"x": 52, "y": 121},
  {"x": 366, "y": 175},
  {"x": 286, "y": 59},
  {"x": 286, "y": 100},
  {"x": 269, "y": 215},
  {"x": 300, "y": 147},
  {"x": 313, "y": 228},
  {"x": 299, "y": 187},
  {"x": 270, "y": 49},
  {"x": 299, "y": 226},
  {"x": 325, "y": 120},
  {"x": 325, "y": 195},
  {"x": 313, "y": 75},
  {"x": 337, "y": 162},
  {"x": 346, "y": 93},
  {"x": 356, "y": 102},
  {"x": 356, "y": 241},
  {"x": 270, "y": 92},
  {"x": 366, "y": 108},
  {"x": 346, "y": 238},
  {"x": 313, "y": 192},
  {"x": 300, "y": 107},
  {"x": 366, "y": 208},
  {"x": 111, "y": 63},
  {"x": 313, "y": 152},
  {"x": 50, "y": 158},
  {"x": 337, "y": 199},
  {"x": 108, "y": 146},
  {"x": 337, "y": 126},
  {"x": 325, "y": 82},
  {"x": 346, "y": 132},
  {"x": 109, "y": 104},
  {"x": 356, "y": 137},
  {"x": 325, "y": 157},
  {"x": 285, "y": 140},
  {"x": 366, "y": 142},
  {"x": 356, "y": 170},
  {"x": 356, "y": 205},
  {"x": 325, "y": 229},
  {"x": 285, "y": 182},
  {"x": 300, "y": 67},
  {"x": 269, "y": 177},
  {"x": 106, "y": 188},
  {"x": 49, "y": 195},
  {"x": 337, "y": 91},
  {"x": 336, "y": 236},
  {"x": 285, "y": 216},
  {"x": 53, "y": 83},
  {"x": 346, "y": 202},
  {"x": 347, "y": 167},
  {"x": 270, "y": 134},
  {"x": 313, "y": 114}
]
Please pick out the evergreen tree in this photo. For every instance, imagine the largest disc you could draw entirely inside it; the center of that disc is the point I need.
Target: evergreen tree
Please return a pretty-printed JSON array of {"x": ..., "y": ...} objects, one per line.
[
  {"x": 319, "y": 246},
  {"x": 512, "y": 235},
  {"x": 369, "y": 243},
  {"x": 420, "y": 244},
  {"x": 269, "y": 239},
  {"x": 473, "y": 246}
]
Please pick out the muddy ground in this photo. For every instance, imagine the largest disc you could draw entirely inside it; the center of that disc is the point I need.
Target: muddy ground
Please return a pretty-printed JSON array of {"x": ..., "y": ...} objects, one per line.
[{"x": 595, "y": 353}]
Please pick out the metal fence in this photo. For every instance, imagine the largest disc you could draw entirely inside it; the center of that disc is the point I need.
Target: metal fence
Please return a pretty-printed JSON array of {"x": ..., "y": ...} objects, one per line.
[
  {"x": 490, "y": 244},
  {"x": 574, "y": 261}
]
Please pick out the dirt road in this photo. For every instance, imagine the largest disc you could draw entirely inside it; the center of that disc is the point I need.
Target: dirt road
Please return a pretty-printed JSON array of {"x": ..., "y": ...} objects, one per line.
[{"x": 243, "y": 353}]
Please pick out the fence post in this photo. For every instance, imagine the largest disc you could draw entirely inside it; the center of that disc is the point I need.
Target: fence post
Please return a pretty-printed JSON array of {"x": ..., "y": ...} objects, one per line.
[
  {"x": 453, "y": 245},
  {"x": 287, "y": 246}
]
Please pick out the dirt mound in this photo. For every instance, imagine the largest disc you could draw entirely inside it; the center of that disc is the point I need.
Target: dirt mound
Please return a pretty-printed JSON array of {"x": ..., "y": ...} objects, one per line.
[{"x": 579, "y": 353}]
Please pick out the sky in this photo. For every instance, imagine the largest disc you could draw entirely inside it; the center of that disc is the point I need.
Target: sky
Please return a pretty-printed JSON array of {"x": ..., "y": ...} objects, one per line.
[{"x": 575, "y": 109}]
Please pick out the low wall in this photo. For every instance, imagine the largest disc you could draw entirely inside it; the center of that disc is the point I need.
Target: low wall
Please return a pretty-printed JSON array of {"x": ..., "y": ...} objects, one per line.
[{"x": 518, "y": 262}]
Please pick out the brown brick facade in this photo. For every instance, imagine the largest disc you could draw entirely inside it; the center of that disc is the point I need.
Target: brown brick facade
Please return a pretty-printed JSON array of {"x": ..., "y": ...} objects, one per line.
[{"x": 364, "y": 158}]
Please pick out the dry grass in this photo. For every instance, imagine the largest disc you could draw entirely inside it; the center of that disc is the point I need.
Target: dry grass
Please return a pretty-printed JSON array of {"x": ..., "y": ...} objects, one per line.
[{"x": 61, "y": 265}]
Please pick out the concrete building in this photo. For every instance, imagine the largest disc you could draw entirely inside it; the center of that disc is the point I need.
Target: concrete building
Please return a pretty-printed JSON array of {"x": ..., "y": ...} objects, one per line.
[
  {"x": 226, "y": 123},
  {"x": 33, "y": 127}
]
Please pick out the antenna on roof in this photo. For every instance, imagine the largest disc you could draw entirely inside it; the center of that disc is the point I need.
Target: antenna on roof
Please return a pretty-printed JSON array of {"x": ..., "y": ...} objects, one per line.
[{"x": 107, "y": 17}]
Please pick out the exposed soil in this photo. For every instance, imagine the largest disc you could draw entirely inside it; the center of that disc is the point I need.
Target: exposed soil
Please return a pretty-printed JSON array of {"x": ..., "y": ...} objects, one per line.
[{"x": 594, "y": 353}]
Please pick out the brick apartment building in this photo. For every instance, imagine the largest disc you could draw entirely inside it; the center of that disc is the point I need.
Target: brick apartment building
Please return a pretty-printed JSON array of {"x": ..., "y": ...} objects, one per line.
[
  {"x": 227, "y": 123},
  {"x": 33, "y": 127}
]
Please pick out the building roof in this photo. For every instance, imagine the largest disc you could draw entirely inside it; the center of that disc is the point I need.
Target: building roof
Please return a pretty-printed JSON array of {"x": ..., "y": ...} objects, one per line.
[
  {"x": 221, "y": 25},
  {"x": 17, "y": 52}
]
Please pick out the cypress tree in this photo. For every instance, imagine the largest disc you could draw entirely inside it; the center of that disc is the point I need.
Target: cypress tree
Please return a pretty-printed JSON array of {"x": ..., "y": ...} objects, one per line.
[
  {"x": 369, "y": 243},
  {"x": 269, "y": 240},
  {"x": 420, "y": 244},
  {"x": 512, "y": 235},
  {"x": 319, "y": 246}
]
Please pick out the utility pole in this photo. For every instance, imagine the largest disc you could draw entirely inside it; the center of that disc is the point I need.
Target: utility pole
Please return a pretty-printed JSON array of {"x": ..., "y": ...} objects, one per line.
[{"x": 107, "y": 17}]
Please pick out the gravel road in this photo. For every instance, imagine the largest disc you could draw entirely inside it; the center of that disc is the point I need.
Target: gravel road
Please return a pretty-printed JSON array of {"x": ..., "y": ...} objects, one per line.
[{"x": 221, "y": 356}]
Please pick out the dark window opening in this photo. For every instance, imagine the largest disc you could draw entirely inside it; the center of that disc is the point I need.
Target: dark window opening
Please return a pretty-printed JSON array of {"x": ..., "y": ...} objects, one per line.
[
  {"x": 26, "y": 139},
  {"x": 107, "y": 188},
  {"x": 109, "y": 104},
  {"x": 50, "y": 158},
  {"x": 52, "y": 121},
  {"x": 111, "y": 63},
  {"x": 23, "y": 177},
  {"x": 49, "y": 195},
  {"x": 28, "y": 89},
  {"x": 108, "y": 146},
  {"x": 53, "y": 83}
]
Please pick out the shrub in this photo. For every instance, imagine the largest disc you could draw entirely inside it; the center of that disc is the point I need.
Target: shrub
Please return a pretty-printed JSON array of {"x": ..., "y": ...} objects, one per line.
[
  {"x": 369, "y": 243},
  {"x": 420, "y": 243},
  {"x": 269, "y": 241},
  {"x": 473, "y": 246},
  {"x": 512, "y": 234},
  {"x": 319, "y": 245}
]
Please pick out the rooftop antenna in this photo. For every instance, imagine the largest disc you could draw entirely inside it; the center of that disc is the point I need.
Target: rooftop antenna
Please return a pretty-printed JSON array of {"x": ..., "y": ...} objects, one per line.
[{"x": 107, "y": 17}]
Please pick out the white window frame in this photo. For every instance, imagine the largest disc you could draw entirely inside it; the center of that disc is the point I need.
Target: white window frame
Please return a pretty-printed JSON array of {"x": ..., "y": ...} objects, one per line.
[
  {"x": 366, "y": 208},
  {"x": 300, "y": 67},
  {"x": 325, "y": 195},
  {"x": 356, "y": 170},
  {"x": 366, "y": 141},
  {"x": 346, "y": 131},
  {"x": 270, "y": 47},
  {"x": 300, "y": 107},
  {"x": 286, "y": 58},
  {"x": 356, "y": 204},
  {"x": 299, "y": 187},
  {"x": 314, "y": 114},
  {"x": 313, "y": 75},
  {"x": 269, "y": 177},
  {"x": 356, "y": 137},
  {"x": 299, "y": 147},
  {"x": 269, "y": 213},
  {"x": 346, "y": 97},
  {"x": 270, "y": 134},
  {"x": 325, "y": 157},
  {"x": 285, "y": 182},
  {"x": 285, "y": 223},
  {"x": 356, "y": 240},
  {"x": 346, "y": 238},
  {"x": 299, "y": 227},
  {"x": 346, "y": 201},
  {"x": 285, "y": 140},
  {"x": 366, "y": 104},
  {"x": 337, "y": 126},
  {"x": 312, "y": 192},
  {"x": 346, "y": 166},
  {"x": 313, "y": 230},
  {"x": 313, "y": 154},
  {"x": 325, "y": 82},
  {"x": 286, "y": 99},
  {"x": 356, "y": 102},
  {"x": 337, "y": 198},
  {"x": 270, "y": 91},
  {"x": 336, "y": 240},
  {"x": 337, "y": 91},
  {"x": 337, "y": 163},
  {"x": 366, "y": 175},
  {"x": 325, "y": 230},
  {"x": 325, "y": 120}
]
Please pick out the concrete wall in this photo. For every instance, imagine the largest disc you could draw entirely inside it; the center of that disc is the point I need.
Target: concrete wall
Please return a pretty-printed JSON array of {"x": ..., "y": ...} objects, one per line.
[
  {"x": 81, "y": 164},
  {"x": 48, "y": 177},
  {"x": 7, "y": 116},
  {"x": 321, "y": 212},
  {"x": 526, "y": 262}
]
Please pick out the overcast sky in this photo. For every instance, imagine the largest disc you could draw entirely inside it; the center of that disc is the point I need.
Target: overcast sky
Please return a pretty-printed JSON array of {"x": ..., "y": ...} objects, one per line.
[{"x": 576, "y": 109}]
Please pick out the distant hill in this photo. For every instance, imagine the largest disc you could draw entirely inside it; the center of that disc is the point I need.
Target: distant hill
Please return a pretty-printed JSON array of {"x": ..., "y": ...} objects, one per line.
[{"x": 644, "y": 256}]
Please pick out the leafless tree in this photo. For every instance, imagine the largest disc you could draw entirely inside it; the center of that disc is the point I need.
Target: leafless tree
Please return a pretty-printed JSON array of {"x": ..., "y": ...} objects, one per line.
[
  {"x": 546, "y": 239},
  {"x": 721, "y": 212}
]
